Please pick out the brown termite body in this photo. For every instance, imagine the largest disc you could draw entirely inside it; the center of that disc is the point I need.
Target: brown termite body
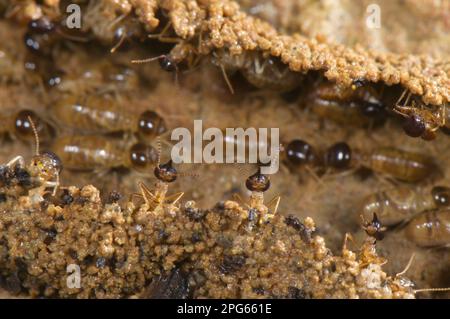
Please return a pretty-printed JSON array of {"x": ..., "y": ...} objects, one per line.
[
  {"x": 420, "y": 120},
  {"x": 18, "y": 125},
  {"x": 259, "y": 69},
  {"x": 398, "y": 205},
  {"x": 98, "y": 114},
  {"x": 99, "y": 79},
  {"x": 356, "y": 105},
  {"x": 403, "y": 165},
  {"x": 100, "y": 153},
  {"x": 430, "y": 228}
]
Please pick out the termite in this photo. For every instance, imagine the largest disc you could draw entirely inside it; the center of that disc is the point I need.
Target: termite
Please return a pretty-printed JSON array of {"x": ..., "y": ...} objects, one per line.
[
  {"x": 98, "y": 114},
  {"x": 165, "y": 174},
  {"x": 430, "y": 229},
  {"x": 44, "y": 168},
  {"x": 18, "y": 125},
  {"x": 260, "y": 69},
  {"x": 420, "y": 120},
  {"x": 403, "y": 165},
  {"x": 398, "y": 205},
  {"x": 100, "y": 153},
  {"x": 356, "y": 105},
  {"x": 257, "y": 184},
  {"x": 99, "y": 79}
]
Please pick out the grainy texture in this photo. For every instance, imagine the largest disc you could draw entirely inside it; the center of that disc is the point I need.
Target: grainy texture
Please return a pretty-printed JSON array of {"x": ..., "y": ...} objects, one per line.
[
  {"x": 221, "y": 24},
  {"x": 333, "y": 201}
]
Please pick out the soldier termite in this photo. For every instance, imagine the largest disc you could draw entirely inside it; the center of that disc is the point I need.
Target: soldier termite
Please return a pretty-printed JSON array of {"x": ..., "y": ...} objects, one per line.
[
  {"x": 100, "y": 153},
  {"x": 44, "y": 168},
  {"x": 430, "y": 228},
  {"x": 98, "y": 114},
  {"x": 257, "y": 184},
  {"x": 260, "y": 69},
  {"x": 420, "y": 120},
  {"x": 398, "y": 205},
  {"x": 356, "y": 105},
  {"x": 18, "y": 125},
  {"x": 373, "y": 227},
  {"x": 165, "y": 174},
  {"x": 403, "y": 165}
]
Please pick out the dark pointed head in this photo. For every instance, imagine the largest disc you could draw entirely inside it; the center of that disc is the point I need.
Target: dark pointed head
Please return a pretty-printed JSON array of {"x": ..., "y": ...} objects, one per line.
[
  {"x": 258, "y": 182},
  {"x": 142, "y": 156},
  {"x": 339, "y": 156},
  {"x": 150, "y": 125},
  {"x": 166, "y": 172},
  {"x": 414, "y": 126},
  {"x": 374, "y": 228}
]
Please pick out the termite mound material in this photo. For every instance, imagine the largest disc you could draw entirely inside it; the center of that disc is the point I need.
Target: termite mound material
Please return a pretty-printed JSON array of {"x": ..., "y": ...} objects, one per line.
[
  {"x": 223, "y": 252},
  {"x": 223, "y": 25}
]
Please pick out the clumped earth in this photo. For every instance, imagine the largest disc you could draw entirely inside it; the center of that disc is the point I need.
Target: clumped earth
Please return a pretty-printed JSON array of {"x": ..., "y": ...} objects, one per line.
[{"x": 204, "y": 250}]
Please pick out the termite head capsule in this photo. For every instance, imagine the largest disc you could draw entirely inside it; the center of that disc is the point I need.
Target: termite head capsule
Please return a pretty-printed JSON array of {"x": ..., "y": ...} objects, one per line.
[
  {"x": 374, "y": 228},
  {"x": 339, "y": 155},
  {"x": 46, "y": 165},
  {"x": 258, "y": 182},
  {"x": 414, "y": 126},
  {"x": 441, "y": 196},
  {"x": 151, "y": 124},
  {"x": 300, "y": 152},
  {"x": 142, "y": 155},
  {"x": 167, "y": 63},
  {"x": 166, "y": 172},
  {"x": 22, "y": 124}
]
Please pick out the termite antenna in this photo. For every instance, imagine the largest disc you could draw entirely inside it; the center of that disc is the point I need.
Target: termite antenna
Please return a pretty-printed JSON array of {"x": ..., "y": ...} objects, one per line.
[
  {"x": 408, "y": 265},
  {"x": 432, "y": 289},
  {"x": 36, "y": 136},
  {"x": 227, "y": 80},
  {"x": 119, "y": 44},
  {"x": 147, "y": 60},
  {"x": 158, "y": 149}
]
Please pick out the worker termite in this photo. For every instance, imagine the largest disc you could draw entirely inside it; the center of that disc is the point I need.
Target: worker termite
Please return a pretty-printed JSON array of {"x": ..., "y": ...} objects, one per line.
[
  {"x": 18, "y": 125},
  {"x": 398, "y": 205},
  {"x": 430, "y": 228},
  {"x": 403, "y": 165},
  {"x": 420, "y": 120},
  {"x": 99, "y": 78},
  {"x": 43, "y": 169},
  {"x": 357, "y": 105},
  {"x": 100, "y": 153},
  {"x": 98, "y": 114},
  {"x": 182, "y": 52},
  {"x": 43, "y": 34},
  {"x": 259, "y": 69}
]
